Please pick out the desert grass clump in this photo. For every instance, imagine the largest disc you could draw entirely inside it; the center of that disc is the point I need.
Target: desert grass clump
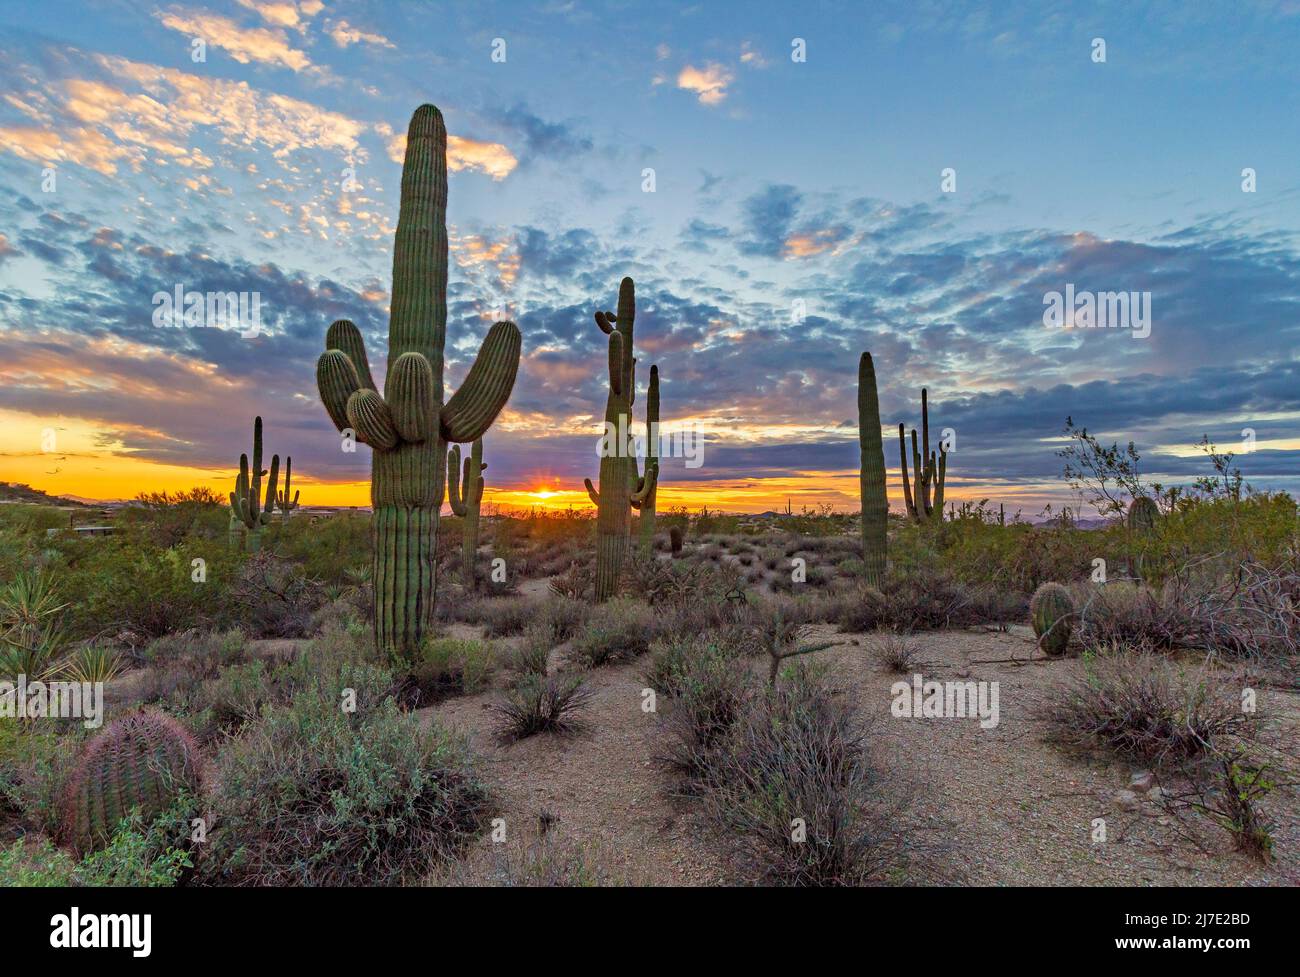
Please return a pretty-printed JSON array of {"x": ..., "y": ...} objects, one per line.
[
  {"x": 898, "y": 652},
  {"x": 316, "y": 795},
  {"x": 539, "y": 703},
  {"x": 1144, "y": 708},
  {"x": 532, "y": 656},
  {"x": 800, "y": 792},
  {"x": 617, "y": 631}
]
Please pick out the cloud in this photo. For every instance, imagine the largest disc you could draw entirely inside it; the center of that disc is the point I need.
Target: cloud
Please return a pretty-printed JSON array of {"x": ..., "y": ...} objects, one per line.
[
  {"x": 244, "y": 44},
  {"x": 7, "y": 250},
  {"x": 285, "y": 13},
  {"x": 709, "y": 83},
  {"x": 751, "y": 57},
  {"x": 551, "y": 140},
  {"x": 491, "y": 158},
  {"x": 345, "y": 34},
  {"x": 768, "y": 218}
]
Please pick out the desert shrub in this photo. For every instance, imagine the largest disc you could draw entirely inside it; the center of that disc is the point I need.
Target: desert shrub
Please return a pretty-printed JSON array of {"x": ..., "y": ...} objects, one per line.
[
  {"x": 533, "y": 654},
  {"x": 800, "y": 756},
  {"x": 450, "y": 667},
  {"x": 314, "y": 795},
  {"x": 577, "y": 581},
  {"x": 539, "y": 703},
  {"x": 137, "y": 856},
  {"x": 499, "y": 616},
  {"x": 618, "y": 630},
  {"x": 1142, "y": 707},
  {"x": 330, "y": 548},
  {"x": 709, "y": 695},
  {"x": 673, "y": 657},
  {"x": 564, "y": 617},
  {"x": 121, "y": 586},
  {"x": 863, "y": 608},
  {"x": 274, "y": 598},
  {"x": 236, "y": 696},
  {"x": 34, "y": 765}
]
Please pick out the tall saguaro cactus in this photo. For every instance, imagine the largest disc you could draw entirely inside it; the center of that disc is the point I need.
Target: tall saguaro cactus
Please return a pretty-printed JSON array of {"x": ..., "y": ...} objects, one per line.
[
  {"x": 620, "y": 486},
  {"x": 285, "y": 502},
  {"x": 647, "y": 507},
  {"x": 875, "y": 499},
  {"x": 248, "y": 515},
  {"x": 466, "y": 503},
  {"x": 409, "y": 426},
  {"x": 926, "y": 502}
]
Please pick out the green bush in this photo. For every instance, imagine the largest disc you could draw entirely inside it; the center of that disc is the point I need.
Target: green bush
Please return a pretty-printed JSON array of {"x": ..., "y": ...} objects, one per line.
[
  {"x": 618, "y": 630},
  {"x": 314, "y": 795}
]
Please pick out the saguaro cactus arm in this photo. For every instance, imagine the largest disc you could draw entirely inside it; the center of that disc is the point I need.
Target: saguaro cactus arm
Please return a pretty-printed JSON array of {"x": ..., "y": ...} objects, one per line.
[{"x": 486, "y": 388}]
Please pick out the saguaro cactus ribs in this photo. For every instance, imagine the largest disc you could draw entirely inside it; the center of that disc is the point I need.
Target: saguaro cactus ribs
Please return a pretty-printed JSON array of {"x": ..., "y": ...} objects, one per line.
[{"x": 409, "y": 427}]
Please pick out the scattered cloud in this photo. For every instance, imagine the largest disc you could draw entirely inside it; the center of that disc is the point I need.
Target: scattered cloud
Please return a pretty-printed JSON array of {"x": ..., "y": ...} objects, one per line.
[
  {"x": 345, "y": 34},
  {"x": 491, "y": 158},
  {"x": 708, "y": 83},
  {"x": 243, "y": 44}
]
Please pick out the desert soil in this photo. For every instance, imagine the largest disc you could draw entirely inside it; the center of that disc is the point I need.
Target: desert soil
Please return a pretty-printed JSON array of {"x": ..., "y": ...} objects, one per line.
[{"x": 992, "y": 807}]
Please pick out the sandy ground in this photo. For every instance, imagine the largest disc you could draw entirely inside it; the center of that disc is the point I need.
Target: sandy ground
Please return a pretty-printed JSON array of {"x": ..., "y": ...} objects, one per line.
[{"x": 993, "y": 807}]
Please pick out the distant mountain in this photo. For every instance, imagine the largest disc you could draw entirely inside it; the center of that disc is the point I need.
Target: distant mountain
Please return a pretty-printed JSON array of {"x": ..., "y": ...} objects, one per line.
[{"x": 18, "y": 492}]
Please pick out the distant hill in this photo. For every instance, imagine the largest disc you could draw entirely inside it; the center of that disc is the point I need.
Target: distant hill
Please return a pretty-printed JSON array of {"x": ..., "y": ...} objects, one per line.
[{"x": 18, "y": 492}]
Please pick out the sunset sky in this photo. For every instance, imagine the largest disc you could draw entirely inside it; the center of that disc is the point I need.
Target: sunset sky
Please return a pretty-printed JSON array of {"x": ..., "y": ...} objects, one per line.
[{"x": 270, "y": 165}]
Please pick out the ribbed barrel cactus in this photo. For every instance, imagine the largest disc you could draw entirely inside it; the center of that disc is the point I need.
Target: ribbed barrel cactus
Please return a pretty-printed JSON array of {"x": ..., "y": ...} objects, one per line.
[
  {"x": 646, "y": 507},
  {"x": 1143, "y": 514},
  {"x": 409, "y": 427},
  {"x": 621, "y": 487},
  {"x": 285, "y": 502},
  {"x": 928, "y": 469},
  {"x": 248, "y": 514},
  {"x": 875, "y": 499},
  {"x": 1051, "y": 611},
  {"x": 143, "y": 761},
  {"x": 466, "y": 504}
]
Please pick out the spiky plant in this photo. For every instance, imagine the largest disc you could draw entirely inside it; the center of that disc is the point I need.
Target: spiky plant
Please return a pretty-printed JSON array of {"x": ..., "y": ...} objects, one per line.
[
  {"x": 1143, "y": 514},
  {"x": 31, "y": 626},
  {"x": 926, "y": 502},
  {"x": 620, "y": 487},
  {"x": 248, "y": 515},
  {"x": 1051, "y": 611},
  {"x": 283, "y": 500},
  {"x": 142, "y": 761},
  {"x": 875, "y": 500},
  {"x": 409, "y": 427},
  {"x": 466, "y": 504},
  {"x": 647, "y": 507}
]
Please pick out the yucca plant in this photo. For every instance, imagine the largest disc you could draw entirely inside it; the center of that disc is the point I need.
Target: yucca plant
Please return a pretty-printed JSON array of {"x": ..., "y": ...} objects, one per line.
[
  {"x": 91, "y": 663},
  {"x": 31, "y": 632}
]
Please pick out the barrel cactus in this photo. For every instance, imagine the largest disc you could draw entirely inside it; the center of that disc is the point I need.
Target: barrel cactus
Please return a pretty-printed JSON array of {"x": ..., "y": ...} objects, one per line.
[
  {"x": 142, "y": 761},
  {"x": 621, "y": 488},
  {"x": 875, "y": 500},
  {"x": 1142, "y": 514},
  {"x": 409, "y": 426},
  {"x": 928, "y": 471},
  {"x": 249, "y": 515},
  {"x": 466, "y": 503},
  {"x": 1051, "y": 611}
]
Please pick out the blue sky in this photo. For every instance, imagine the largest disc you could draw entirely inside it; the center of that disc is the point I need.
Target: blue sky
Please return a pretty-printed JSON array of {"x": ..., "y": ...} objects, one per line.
[{"x": 776, "y": 181}]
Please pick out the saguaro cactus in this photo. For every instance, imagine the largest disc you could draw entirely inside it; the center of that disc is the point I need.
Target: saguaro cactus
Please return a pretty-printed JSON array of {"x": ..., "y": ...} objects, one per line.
[
  {"x": 647, "y": 506},
  {"x": 409, "y": 426},
  {"x": 139, "y": 762},
  {"x": 249, "y": 516},
  {"x": 466, "y": 504},
  {"x": 283, "y": 501},
  {"x": 875, "y": 499},
  {"x": 620, "y": 486},
  {"x": 929, "y": 469}
]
